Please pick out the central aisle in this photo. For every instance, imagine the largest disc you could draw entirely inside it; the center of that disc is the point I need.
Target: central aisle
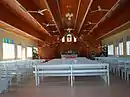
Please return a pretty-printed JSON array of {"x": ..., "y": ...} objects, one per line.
[{"x": 84, "y": 87}]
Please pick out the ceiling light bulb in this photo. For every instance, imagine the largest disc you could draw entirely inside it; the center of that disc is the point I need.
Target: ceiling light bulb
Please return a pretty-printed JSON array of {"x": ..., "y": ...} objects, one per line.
[
  {"x": 47, "y": 25},
  {"x": 99, "y": 8},
  {"x": 89, "y": 22}
]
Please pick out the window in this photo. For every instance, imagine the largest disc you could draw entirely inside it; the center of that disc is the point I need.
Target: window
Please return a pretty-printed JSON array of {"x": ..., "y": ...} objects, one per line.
[
  {"x": 116, "y": 51},
  {"x": 121, "y": 48},
  {"x": 8, "y": 49},
  {"x": 29, "y": 52},
  {"x": 128, "y": 47},
  {"x": 110, "y": 50},
  {"x": 69, "y": 38},
  {"x": 23, "y": 53},
  {"x": 75, "y": 39},
  {"x": 19, "y": 51}
]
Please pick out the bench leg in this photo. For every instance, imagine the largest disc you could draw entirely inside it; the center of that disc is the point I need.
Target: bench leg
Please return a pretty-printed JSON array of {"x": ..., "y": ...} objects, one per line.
[
  {"x": 71, "y": 80},
  {"x": 36, "y": 79},
  {"x": 73, "y": 77},
  {"x": 108, "y": 78},
  {"x": 118, "y": 71},
  {"x": 127, "y": 77},
  {"x": 122, "y": 74}
]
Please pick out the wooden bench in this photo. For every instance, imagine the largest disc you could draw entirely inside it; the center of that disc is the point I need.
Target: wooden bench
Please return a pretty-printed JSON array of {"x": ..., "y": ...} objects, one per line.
[{"x": 72, "y": 70}]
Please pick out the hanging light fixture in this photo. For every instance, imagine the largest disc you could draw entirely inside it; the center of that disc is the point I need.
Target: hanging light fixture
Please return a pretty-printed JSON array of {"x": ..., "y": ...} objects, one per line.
[{"x": 69, "y": 16}]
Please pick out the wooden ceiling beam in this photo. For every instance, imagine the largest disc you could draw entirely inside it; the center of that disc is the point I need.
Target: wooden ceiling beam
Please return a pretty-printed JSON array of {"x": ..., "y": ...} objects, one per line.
[
  {"x": 124, "y": 26},
  {"x": 115, "y": 22},
  {"x": 16, "y": 7},
  {"x": 15, "y": 30},
  {"x": 77, "y": 13},
  {"x": 57, "y": 1},
  {"x": 10, "y": 18},
  {"x": 47, "y": 5},
  {"x": 85, "y": 15},
  {"x": 104, "y": 17}
]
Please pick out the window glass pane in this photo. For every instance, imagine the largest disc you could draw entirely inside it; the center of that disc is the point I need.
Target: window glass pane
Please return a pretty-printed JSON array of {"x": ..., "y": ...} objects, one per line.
[
  {"x": 29, "y": 52},
  {"x": 121, "y": 48},
  {"x": 23, "y": 53},
  {"x": 69, "y": 38},
  {"x": 19, "y": 51},
  {"x": 8, "y": 51},
  {"x": 4, "y": 50},
  {"x": 128, "y": 47},
  {"x": 110, "y": 50},
  {"x": 116, "y": 51},
  {"x": 75, "y": 40}
]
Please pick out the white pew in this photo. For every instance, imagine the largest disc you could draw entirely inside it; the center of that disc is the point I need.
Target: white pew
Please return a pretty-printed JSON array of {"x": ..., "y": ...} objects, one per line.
[
  {"x": 51, "y": 70},
  {"x": 4, "y": 79},
  {"x": 20, "y": 69},
  {"x": 72, "y": 68},
  {"x": 92, "y": 70}
]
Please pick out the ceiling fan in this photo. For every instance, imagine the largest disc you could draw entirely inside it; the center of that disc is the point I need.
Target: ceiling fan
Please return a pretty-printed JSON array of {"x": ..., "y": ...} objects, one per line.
[
  {"x": 99, "y": 9},
  {"x": 90, "y": 23},
  {"x": 39, "y": 11},
  {"x": 54, "y": 31},
  {"x": 47, "y": 25},
  {"x": 85, "y": 30},
  {"x": 69, "y": 29}
]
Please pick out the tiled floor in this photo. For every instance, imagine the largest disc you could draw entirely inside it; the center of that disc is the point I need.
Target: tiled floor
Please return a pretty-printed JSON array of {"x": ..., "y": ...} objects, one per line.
[{"x": 84, "y": 87}]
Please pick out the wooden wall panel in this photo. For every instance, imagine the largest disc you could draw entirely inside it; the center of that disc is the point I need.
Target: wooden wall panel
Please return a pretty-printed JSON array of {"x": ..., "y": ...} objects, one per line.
[
  {"x": 47, "y": 52},
  {"x": 54, "y": 51}
]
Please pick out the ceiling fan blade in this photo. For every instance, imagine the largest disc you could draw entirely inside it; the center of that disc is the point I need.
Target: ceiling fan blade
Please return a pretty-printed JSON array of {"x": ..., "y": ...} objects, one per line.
[
  {"x": 43, "y": 10},
  {"x": 52, "y": 24},
  {"x": 33, "y": 11},
  {"x": 104, "y": 10},
  {"x": 44, "y": 23}
]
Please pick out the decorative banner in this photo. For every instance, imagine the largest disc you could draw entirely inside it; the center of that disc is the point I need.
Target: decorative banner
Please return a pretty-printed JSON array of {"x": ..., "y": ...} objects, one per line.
[
  {"x": 6, "y": 40},
  {"x": 9, "y": 41},
  {"x": 12, "y": 41}
]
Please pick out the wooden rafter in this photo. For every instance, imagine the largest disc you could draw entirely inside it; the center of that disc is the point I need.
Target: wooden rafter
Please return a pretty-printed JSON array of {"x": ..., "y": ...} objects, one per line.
[
  {"x": 13, "y": 29},
  {"x": 85, "y": 15},
  {"x": 113, "y": 30},
  {"x": 15, "y": 6},
  {"x": 51, "y": 14},
  {"x": 77, "y": 13},
  {"x": 104, "y": 17},
  {"x": 57, "y": 1}
]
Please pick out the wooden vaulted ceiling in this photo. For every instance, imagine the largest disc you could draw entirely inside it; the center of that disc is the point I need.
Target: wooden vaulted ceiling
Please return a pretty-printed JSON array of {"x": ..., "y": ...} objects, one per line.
[{"x": 48, "y": 20}]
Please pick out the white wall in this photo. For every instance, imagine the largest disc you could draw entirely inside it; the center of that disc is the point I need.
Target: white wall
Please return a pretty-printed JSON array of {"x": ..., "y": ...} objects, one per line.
[
  {"x": 121, "y": 35},
  {"x": 17, "y": 39}
]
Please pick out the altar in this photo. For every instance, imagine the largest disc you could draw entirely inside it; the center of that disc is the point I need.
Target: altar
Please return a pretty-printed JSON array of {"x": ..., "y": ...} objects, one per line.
[
  {"x": 69, "y": 54},
  {"x": 63, "y": 56}
]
